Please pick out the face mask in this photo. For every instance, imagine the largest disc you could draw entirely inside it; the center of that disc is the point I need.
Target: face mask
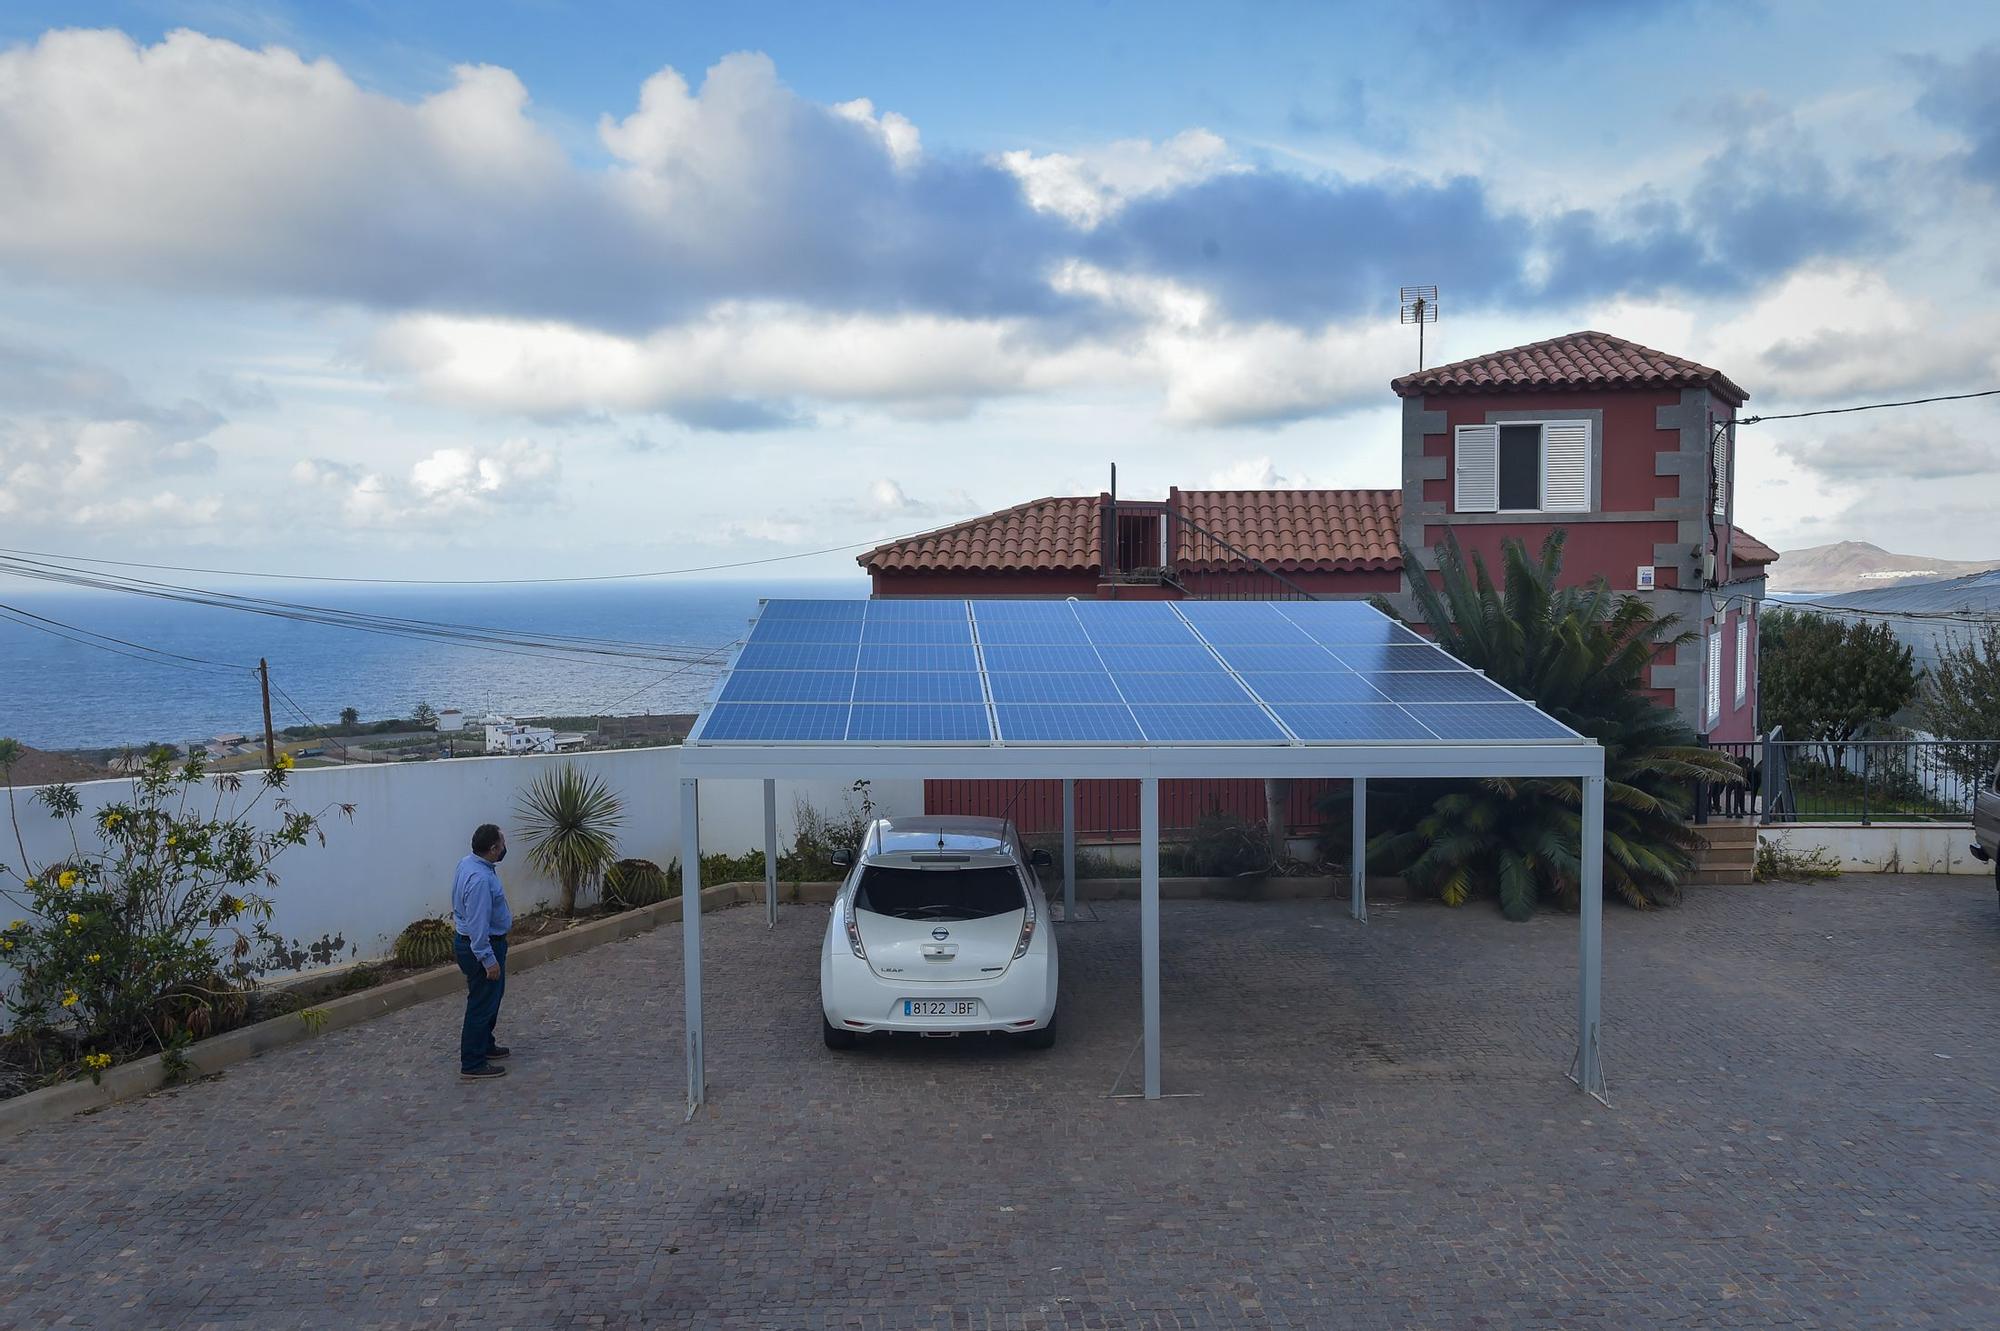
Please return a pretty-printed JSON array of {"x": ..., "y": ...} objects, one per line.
[{"x": 501, "y": 856}]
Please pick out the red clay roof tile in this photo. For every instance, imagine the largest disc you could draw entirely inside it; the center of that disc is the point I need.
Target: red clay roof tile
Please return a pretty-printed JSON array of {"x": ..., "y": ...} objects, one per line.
[
  {"x": 1575, "y": 361},
  {"x": 1747, "y": 549},
  {"x": 1058, "y": 534}
]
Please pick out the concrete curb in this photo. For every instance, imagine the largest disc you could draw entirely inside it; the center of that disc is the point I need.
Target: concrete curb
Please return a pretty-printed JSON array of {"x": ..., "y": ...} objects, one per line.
[
  {"x": 129, "y": 1081},
  {"x": 143, "y": 1076}
]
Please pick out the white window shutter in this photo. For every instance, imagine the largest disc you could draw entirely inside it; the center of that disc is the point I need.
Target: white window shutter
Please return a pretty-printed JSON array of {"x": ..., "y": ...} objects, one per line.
[
  {"x": 1566, "y": 466},
  {"x": 1475, "y": 469},
  {"x": 1742, "y": 656},
  {"x": 1722, "y": 474},
  {"x": 1715, "y": 673}
]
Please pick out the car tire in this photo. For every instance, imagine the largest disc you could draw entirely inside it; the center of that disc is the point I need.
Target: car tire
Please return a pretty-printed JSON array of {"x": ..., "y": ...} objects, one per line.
[
  {"x": 835, "y": 1037},
  {"x": 1045, "y": 1038}
]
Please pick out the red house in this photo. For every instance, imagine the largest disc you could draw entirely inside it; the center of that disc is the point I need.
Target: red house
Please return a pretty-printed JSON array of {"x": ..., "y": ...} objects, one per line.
[{"x": 1628, "y": 449}]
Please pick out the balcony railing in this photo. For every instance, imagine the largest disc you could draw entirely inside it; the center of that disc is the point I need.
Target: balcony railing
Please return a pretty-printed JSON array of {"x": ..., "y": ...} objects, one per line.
[
  {"x": 1866, "y": 781},
  {"x": 1150, "y": 544}
]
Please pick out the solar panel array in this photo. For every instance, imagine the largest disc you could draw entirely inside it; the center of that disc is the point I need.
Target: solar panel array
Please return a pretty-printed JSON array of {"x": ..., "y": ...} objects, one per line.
[{"x": 1102, "y": 673}]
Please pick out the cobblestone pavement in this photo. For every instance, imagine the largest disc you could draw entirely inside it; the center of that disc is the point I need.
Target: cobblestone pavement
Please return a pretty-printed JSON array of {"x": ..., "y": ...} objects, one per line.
[{"x": 1378, "y": 1134}]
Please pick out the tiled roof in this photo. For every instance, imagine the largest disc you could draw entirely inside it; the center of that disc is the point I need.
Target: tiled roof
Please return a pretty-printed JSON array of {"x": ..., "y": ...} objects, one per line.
[
  {"x": 1747, "y": 549},
  {"x": 1044, "y": 535},
  {"x": 1293, "y": 530},
  {"x": 1322, "y": 530},
  {"x": 1575, "y": 361}
]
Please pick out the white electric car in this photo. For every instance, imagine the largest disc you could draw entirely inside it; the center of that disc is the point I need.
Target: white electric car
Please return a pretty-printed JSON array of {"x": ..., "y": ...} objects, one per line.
[{"x": 940, "y": 928}]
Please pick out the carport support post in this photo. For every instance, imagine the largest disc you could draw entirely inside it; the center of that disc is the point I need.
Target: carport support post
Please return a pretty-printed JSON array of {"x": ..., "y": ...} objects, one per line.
[
  {"x": 1589, "y": 1071},
  {"x": 1357, "y": 905},
  {"x": 1069, "y": 850},
  {"x": 770, "y": 854},
  {"x": 1149, "y": 926},
  {"x": 691, "y": 935}
]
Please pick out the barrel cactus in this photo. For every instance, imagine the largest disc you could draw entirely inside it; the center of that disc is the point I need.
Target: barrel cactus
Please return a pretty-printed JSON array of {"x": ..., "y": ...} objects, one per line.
[
  {"x": 425, "y": 943},
  {"x": 631, "y": 883}
]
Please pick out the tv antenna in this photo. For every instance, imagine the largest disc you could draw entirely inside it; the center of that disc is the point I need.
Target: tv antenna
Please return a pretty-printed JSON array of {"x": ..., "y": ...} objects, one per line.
[{"x": 1419, "y": 306}]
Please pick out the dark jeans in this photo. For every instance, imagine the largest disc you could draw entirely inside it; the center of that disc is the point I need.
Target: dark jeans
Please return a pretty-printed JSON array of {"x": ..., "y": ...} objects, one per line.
[{"x": 482, "y": 1001}]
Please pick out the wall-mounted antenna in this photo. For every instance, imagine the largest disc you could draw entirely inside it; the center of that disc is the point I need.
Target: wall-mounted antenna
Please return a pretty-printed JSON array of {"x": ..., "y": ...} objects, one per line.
[{"x": 1419, "y": 307}]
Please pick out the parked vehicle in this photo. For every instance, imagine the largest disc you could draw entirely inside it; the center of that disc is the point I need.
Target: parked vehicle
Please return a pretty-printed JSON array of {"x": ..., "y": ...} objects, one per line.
[
  {"x": 1986, "y": 822},
  {"x": 941, "y": 928}
]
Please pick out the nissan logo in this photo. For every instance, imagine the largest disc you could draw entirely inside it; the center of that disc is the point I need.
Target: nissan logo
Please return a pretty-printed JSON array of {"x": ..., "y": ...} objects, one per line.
[{"x": 940, "y": 933}]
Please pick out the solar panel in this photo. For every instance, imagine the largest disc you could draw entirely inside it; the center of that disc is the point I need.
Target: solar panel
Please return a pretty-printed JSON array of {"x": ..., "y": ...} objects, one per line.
[
  {"x": 1487, "y": 720},
  {"x": 1208, "y": 725},
  {"x": 918, "y": 656},
  {"x": 916, "y": 686},
  {"x": 789, "y": 686},
  {"x": 1102, "y": 673},
  {"x": 939, "y": 723},
  {"x": 1011, "y": 686},
  {"x": 1198, "y": 687},
  {"x": 772, "y": 722},
  {"x": 1032, "y": 723}
]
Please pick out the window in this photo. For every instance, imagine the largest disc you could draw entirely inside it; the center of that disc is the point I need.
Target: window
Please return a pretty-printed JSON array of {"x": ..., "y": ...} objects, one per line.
[
  {"x": 1522, "y": 467},
  {"x": 1715, "y": 673},
  {"x": 1720, "y": 459},
  {"x": 1742, "y": 658},
  {"x": 939, "y": 894}
]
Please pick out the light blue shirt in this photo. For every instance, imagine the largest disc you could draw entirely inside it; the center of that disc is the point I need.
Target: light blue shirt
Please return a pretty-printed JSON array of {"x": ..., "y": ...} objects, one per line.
[{"x": 479, "y": 905}]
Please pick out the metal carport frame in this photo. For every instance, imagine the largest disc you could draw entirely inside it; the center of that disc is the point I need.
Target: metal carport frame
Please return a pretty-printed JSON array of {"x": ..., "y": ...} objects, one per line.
[{"x": 1148, "y": 764}]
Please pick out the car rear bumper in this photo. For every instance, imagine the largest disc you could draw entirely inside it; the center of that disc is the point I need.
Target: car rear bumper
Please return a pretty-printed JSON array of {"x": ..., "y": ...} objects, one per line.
[{"x": 856, "y": 999}]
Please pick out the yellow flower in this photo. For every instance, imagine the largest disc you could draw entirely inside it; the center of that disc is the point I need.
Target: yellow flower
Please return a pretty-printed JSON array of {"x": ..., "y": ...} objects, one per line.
[
  {"x": 70, "y": 999},
  {"x": 112, "y": 819},
  {"x": 286, "y": 762},
  {"x": 66, "y": 879},
  {"x": 94, "y": 958},
  {"x": 33, "y": 883},
  {"x": 18, "y": 924},
  {"x": 6, "y": 945},
  {"x": 75, "y": 919},
  {"x": 171, "y": 839},
  {"x": 97, "y": 1062}
]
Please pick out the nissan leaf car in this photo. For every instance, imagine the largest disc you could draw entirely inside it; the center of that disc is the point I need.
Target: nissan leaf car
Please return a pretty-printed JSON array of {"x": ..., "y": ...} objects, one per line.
[{"x": 940, "y": 929}]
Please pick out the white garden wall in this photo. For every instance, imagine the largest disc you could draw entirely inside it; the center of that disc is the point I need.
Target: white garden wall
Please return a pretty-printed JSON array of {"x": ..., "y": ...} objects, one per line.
[
  {"x": 412, "y": 821},
  {"x": 1885, "y": 847}
]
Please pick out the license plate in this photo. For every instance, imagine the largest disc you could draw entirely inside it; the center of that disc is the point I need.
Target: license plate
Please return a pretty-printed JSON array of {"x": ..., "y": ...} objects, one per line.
[{"x": 940, "y": 1007}]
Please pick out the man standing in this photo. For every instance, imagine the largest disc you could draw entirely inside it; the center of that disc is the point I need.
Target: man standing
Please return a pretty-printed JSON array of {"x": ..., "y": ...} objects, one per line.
[{"x": 480, "y": 913}]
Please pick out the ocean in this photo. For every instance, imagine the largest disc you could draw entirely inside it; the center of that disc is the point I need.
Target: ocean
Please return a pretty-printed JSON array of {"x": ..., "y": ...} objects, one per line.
[{"x": 56, "y": 694}]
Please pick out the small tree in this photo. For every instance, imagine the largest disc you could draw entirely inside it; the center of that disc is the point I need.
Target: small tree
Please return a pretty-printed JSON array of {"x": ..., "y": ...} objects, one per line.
[
  {"x": 1824, "y": 679},
  {"x": 149, "y": 930},
  {"x": 1961, "y": 698},
  {"x": 424, "y": 716},
  {"x": 571, "y": 822},
  {"x": 350, "y": 717}
]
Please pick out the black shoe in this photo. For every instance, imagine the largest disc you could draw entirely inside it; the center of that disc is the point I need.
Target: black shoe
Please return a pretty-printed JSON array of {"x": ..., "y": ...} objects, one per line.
[
  {"x": 483, "y": 1071},
  {"x": 498, "y": 1051}
]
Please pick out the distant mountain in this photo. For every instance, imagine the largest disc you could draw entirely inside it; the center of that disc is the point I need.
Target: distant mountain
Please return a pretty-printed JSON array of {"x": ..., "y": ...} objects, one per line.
[{"x": 1852, "y": 566}]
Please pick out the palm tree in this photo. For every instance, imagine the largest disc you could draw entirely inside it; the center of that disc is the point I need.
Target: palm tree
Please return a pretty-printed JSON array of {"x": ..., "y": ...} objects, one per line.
[
  {"x": 571, "y": 821},
  {"x": 1581, "y": 654}
]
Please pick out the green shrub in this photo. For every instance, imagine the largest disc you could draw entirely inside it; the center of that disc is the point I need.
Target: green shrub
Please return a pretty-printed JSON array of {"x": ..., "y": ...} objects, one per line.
[
  {"x": 1221, "y": 845},
  {"x": 629, "y": 884},
  {"x": 153, "y": 927},
  {"x": 1777, "y": 862},
  {"x": 425, "y": 943},
  {"x": 571, "y": 819}
]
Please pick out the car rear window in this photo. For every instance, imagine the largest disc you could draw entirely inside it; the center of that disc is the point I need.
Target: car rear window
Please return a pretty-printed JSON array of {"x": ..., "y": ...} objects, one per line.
[{"x": 939, "y": 894}]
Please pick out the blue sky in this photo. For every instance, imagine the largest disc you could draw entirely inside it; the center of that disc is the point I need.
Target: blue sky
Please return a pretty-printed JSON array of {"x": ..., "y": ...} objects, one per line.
[{"x": 530, "y": 288}]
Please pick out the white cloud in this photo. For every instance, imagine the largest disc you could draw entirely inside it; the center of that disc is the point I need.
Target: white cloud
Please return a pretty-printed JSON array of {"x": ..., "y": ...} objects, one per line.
[
  {"x": 519, "y": 474},
  {"x": 1087, "y": 187}
]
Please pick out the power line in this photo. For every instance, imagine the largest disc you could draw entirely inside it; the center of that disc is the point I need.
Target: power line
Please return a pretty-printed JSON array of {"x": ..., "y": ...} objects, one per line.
[
  {"x": 1868, "y": 406},
  {"x": 106, "y": 642},
  {"x": 334, "y": 739}
]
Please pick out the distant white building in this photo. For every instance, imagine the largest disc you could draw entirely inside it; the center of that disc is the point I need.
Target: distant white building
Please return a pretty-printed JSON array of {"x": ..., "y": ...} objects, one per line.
[
  {"x": 504, "y": 736},
  {"x": 451, "y": 718}
]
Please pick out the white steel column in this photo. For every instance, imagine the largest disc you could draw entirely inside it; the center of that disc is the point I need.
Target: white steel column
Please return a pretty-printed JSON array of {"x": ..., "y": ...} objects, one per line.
[
  {"x": 1357, "y": 905},
  {"x": 1590, "y": 961},
  {"x": 1069, "y": 850},
  {"x": 770, "y": 854},
  {"x": 1149, "y": 926},
  {"x": 691, "y": 936}
]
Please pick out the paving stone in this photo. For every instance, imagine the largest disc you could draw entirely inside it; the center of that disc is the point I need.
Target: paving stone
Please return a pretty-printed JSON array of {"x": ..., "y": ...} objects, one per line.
[{"x": 1376, "y": 1132}]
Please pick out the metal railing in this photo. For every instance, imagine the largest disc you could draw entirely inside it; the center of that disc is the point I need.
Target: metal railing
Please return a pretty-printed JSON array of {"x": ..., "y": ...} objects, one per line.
[{"x": 1866, "y": 781}]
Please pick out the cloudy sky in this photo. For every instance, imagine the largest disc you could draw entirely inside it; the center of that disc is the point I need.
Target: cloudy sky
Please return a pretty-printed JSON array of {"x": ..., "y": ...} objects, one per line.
[{"x": 524, "y": 288}]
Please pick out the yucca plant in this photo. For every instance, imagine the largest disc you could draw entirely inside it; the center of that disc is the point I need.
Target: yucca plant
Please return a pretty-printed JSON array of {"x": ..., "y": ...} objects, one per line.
[
  {"x": 571, "y": 821},
  {"x": 1581, "y": 654},
  {"x": 425, "y": 943}
]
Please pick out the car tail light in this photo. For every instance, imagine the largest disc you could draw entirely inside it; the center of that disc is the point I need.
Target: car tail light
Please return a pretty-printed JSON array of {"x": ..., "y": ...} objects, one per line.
[
  {"x": 853, "y": 928},
  {"x": 1027, "y": 928}
]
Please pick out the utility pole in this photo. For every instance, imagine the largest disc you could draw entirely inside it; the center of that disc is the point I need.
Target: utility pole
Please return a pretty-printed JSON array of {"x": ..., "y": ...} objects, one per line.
[{"x": 270, "y": 740}]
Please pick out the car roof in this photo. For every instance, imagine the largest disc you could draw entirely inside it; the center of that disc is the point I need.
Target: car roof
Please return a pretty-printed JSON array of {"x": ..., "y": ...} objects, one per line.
[{"x": 915, "y": 833}]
